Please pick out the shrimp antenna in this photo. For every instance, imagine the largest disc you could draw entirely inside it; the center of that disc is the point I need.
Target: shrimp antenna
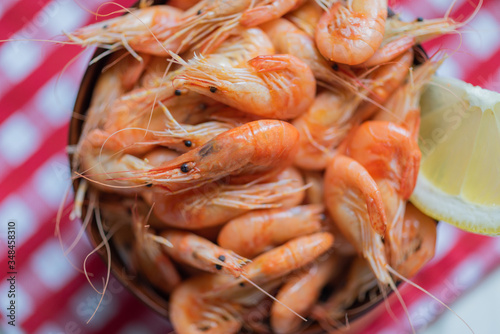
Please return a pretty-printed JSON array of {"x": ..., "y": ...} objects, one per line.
[
  {"x": 161, "y": 240},
  {"x": 57, "y": 229},
  {"x": 272, "y": 297},
  {"x": 108, "y": 251},
  {"x": 395, "y": 273},
  {"x": 403, "y": 304}
]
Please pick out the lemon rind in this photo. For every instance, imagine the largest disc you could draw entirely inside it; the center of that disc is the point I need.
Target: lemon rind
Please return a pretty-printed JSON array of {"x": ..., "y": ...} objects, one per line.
[{"x": 455, "y": 210}]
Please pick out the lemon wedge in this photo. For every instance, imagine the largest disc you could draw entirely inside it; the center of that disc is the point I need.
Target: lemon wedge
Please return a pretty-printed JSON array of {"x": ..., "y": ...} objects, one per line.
[{"x": 459, "y": 178}]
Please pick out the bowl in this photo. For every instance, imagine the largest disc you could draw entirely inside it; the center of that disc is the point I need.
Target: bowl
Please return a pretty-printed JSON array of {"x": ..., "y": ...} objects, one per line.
[{"x": 359, "y": 316}]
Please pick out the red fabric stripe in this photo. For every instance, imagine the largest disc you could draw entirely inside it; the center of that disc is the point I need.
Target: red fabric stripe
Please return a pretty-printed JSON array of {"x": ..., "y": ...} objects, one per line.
[
  {"x": 44, "y": 233},
  {"x": 433, "y": 278},
  {"x": 484, "y": 71},
  {"x": 13, "y": 99},
  {"x": 49, "y": 306},
  {"x": 53, "y": 63},
  {"x": 53, "y": 144},
  {"x": 11, "y": 22}
]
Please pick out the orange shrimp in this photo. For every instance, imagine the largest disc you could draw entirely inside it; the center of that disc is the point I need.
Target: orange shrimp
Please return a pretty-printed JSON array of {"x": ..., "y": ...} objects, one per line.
[
  {"x": 323, "y": 127},
  {"x": 275, "y": 263},
  {"x": 103, "y": 167},
  {"x": 112, "y": 83},
  {"x": 134, "y": 109},
  {"x": 150, "y": 260},
  {"x": 400, "y": 36},
  {"x": 356, "y": 207},
  {"x": 388, "y": 152},
  {"x": 241, "y": 46},
  {"x": 134, "y": 31},
  {"x": 215, "y": 303},
  {"x": 192, "y": 313},
  {"x": 200, "y": 253},
  {"x": 216, "y": 203},
  {"x": 359, "y": 281},
  {"x": 413, "y": 242},
  {"x": 266, "y": 10},
  {"x": 350, "y": 34},
  {"x": 243, "y": 153},
  {"x": 255, "y": 232},
  {"x": 384, "y": 81},
  {"x": 306, "y": 17},
  {"x": 403, "y": 107},
  {"x": 314, "y": 194},
  {"x": 183, "y": 4},
  {"x": 288, "y": 39},
  {"x": 302, "y": 291},
  {"x": 208, "y": 23},
  {"x": 392, "y": 157},
  {"x": 274, "y": 86}
]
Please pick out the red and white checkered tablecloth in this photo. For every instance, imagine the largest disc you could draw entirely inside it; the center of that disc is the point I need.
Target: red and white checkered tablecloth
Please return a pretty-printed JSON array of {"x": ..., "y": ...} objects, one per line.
[{"x": 36, "y": 101}]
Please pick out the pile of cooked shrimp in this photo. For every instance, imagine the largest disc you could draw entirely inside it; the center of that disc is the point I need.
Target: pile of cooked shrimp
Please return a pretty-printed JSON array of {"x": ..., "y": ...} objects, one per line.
[{"x": 253, "y": 159}]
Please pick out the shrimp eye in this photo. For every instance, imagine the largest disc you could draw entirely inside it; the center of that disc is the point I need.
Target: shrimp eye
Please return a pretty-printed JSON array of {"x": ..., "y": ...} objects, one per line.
[
  {"x": 199, "y": 12},
  {"x": 242, "y": 284},
  {"x": 335, "y": 67},
  {"x": 188, "y": 143},
  {"x": 177, "y": 92},
  {"x": 213, "y": 89},
  {"x": 149, "y": 185},
  {"x": 184, "y": 168},
  {"x": 420, "y": 19},
  {"x": 218, "y": 267},
  {"x": 105, "y": 26},
  {"x": 222, "y": 258}
]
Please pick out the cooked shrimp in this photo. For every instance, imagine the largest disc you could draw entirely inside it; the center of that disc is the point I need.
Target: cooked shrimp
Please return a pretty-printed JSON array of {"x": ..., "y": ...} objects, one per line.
[
  {"x": 266, "y": 10},
  {"x": 112, "y": 83},
  {"x": 359, "y": 281},
  {"x": 412, "y": 243},
  {"x": 159, "y": 155},
  {"x": 275, "y": 263},
  {"x": 232, "y": 116},
  {"x": 150, "y": 260},
  {"x": 400, "y": 36},
  {"x": 306, "y": 17},
  {"x": 302, "y": 291},
  {"x": 323, "y": 127},
  {"x": 158, "y": 88},
  {"x": 103, "y": 167},
  {"x": 275, "y": 86},
  {"x": 183, "y": 4},
  {"x": 216, "y": 203},
  {"x": 403, "y": 107},
  {"x": 255, "y": 232},
  {"x": 200, "y": 253},
  {"x": 388, "y": 152},
  {"x": 241, "y": 46},
  {"x": 392, "y": 157},
  {"x": 243, "y": 153},
  {"x": 208, "y": 23},
  {"x": 356, "y": 207},
  {"x": 351, "y": 33},
  {"x": 192, "y": 313},
  {"x": 203, "y": 26},
  {"x": 288, "y": 39},
  {"x": 314, "y": 194},
  {"x": 134, "y": 31},
  {"x": 193, "y": 303},
  {"x": 384, "y": 81}
]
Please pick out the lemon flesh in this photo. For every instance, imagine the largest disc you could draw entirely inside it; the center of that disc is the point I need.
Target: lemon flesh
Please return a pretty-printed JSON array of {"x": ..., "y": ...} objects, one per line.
[{"x": 459, "y": 178}]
